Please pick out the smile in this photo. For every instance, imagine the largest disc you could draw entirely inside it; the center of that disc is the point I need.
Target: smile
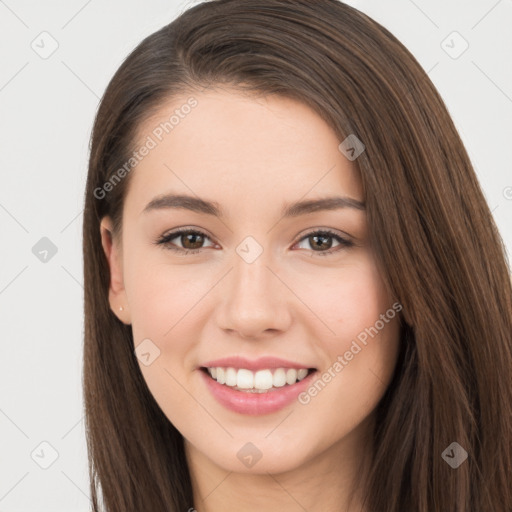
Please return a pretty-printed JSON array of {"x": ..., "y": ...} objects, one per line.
[
  {"x": 259, "y": 381},
  {"x": 260, "y": 395}
]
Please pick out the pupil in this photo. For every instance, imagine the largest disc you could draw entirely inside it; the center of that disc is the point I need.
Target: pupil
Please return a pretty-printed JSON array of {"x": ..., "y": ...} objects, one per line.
[
  {"x": 321, "y": 237},
  {"x": 194, "y": 236}
]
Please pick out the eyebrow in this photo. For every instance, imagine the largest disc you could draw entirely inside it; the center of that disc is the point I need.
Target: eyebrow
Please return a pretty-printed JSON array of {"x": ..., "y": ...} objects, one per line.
[{"x": 295, "y": 209}]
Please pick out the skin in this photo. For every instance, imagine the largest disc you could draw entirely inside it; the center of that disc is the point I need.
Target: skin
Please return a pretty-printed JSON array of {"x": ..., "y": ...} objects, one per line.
[{"x": 252, "y": 155}]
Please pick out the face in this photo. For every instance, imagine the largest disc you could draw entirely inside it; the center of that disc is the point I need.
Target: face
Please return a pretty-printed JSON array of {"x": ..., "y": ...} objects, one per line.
[{"x": 275, "y": 291}]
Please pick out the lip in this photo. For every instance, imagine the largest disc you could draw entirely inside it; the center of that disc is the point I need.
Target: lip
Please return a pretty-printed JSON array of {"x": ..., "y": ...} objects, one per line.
[
  {"x": 255, "y": 403},
  {"x": 258, "y": 364}
]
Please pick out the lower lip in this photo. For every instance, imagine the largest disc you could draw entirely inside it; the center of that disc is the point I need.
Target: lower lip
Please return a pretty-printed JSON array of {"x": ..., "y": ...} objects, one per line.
[{"x": 255, "y": 403}]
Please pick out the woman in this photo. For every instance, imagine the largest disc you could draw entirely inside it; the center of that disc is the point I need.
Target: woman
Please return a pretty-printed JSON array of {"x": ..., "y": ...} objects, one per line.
[{"x": 226, "y": 364}]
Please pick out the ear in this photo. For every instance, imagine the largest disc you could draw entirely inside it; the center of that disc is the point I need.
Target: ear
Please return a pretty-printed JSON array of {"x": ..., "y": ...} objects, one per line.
[{"x": 116, "y": 294}]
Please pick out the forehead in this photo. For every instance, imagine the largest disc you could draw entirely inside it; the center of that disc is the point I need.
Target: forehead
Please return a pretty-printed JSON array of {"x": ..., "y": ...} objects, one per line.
[{"x": 236, "y": 148}]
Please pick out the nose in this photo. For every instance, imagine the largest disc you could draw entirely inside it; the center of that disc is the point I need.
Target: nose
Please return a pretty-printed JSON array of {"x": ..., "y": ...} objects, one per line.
[{"x": 253, "y": 302}]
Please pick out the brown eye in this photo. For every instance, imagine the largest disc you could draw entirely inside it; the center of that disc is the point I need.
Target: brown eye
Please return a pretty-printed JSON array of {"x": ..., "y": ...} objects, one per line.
[
  {"x": 321, "y": 242},
  {"x": 190, "y": 239}
]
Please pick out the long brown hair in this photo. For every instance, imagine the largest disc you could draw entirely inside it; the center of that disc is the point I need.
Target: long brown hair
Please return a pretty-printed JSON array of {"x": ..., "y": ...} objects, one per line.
[{"x": 438, "y": 250}]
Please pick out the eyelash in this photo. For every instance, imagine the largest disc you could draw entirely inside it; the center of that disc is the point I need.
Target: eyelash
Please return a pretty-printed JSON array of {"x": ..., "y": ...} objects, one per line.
[{"x": 165, "y": 241}]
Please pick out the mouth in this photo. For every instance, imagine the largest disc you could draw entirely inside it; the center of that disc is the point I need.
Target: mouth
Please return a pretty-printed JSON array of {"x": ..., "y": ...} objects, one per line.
[
  {"x": 260, "y": 391},
  {"x": 261, "y": 381}
]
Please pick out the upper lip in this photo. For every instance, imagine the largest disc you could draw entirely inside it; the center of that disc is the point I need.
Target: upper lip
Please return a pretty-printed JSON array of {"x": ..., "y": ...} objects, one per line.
[{"x": 257, "y": 364}]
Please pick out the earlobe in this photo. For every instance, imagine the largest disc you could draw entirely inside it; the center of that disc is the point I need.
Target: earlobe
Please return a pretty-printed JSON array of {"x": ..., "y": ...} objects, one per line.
[{"x": 116, "y": 294}]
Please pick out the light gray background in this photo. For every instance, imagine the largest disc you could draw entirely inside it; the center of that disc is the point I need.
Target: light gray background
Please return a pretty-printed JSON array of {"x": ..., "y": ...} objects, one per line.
[{"x": 47, "y": 107}]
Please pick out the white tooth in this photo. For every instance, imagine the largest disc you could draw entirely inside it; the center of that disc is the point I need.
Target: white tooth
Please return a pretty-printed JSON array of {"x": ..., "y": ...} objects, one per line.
[
  {"x": 263, "y": 379},
  {"x": 301, "y": 373},
  {"x": 291, "y": 376},
  {"x": 279, "y": 378},
  {"x": 245, "y": 379},
  {"x": 230, "y": 377},
  {"x": 259, "y": 381},
  {"x": 221, "y": 376}
]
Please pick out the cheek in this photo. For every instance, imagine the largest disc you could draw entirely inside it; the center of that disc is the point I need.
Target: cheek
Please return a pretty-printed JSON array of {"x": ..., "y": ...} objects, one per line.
[
  {"x": 149, "y": 298},
  {"x": 162, "y": 311},
  {"x": 359, "y": 330},
  {"x": 347, "y": 299},
  {"x": 159, "y": 294},
  {"x": 166, "y": 308}
]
